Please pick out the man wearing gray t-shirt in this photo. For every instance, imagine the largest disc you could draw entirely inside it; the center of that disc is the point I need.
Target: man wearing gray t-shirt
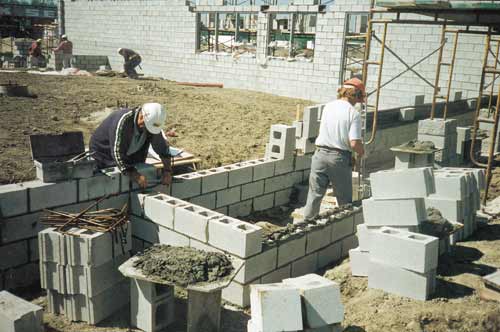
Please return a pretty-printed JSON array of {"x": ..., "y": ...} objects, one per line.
[{"x": 339, "y": 134}]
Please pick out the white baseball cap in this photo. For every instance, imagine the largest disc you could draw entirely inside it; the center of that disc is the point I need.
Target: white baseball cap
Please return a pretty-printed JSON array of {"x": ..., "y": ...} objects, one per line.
[{"x": 154, "y": 117}]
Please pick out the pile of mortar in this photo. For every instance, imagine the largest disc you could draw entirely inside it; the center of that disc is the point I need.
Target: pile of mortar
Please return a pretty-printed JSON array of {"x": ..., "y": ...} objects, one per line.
[
  {"x": 183, "y": 266},
  {"x": 436, "y": 225}
]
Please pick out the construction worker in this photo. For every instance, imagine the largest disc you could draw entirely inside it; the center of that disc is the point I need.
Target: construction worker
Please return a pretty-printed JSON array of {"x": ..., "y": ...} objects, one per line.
[
  {"x": 339, "y": 135},
  {"x": 124, "y": 137},
  {"x": 35, "y": 53},
  {"x": 66, "y": 47},
  {"x": 132, "y": 59}
]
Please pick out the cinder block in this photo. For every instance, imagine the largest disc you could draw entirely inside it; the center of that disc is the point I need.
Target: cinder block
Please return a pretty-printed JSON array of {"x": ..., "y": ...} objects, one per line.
[
  {"x": 170, "y": 237},
  {"x": 152, "y": 305},
  {"x": 213, "y": 179},
  {"x": 228, "y": 196},
  {"x": 349, "y": 243},
  {"x": 306, "y": 145},
  {"x": 95, "y": 309},
  {"x": 91, "y": 281},
  {"x": 399, "y": 184},
  {"x": 394, "y": 212},
  {"x": 411, "y": 251},
  {"x": 298, "y": 128},
  {"x": 46, "y": 195},
  {"x": 145, "y": 229},
  {"x": 207, "y": 201},
  {"x": 238, "y": 294},
  {"x": 55, "y": 302},
  {"x": 283, "y": 166},
  {"x": 239, "y": 173},
  {"x": 418, "y": 286},
  {"x": 278, "y": 183},
  {"x": 318, "y": 237},
  {"x": 303, "y": 162},
  {"x": 95, "y": 248},
  {"x": 360, "y": 261},
  {"x": 277, "y": 275},
  {"x": 407, "y": 114},
  {"x": 53, "y": 277},
  {"x": 282, "y": 197},
  {"x": 322, "y": 301},
  {"x": 161, "y": 209},
  {"x": 281, "y": 142},
  {"x": 305, "y": 265},
  {"x": 291, "y": 249},
  {"x": 19, "y": 315},
  {"x": 192, "y": 221},
  {"x": 14, "y": 254},
  {"x": 251, "y": 190},
  {"x": 263, "y": 202},
  {"x": 451, "y": 209},
  {"x": 437, "y": 127},
  {"x": 265, "y": 299},
  {"x": 98, "y": 186},
  {"x": 257, "y": 266},
  {"x": 451, "y": 185},
  {"x": 342, "y": 227},
  {"x": 13, "y": 200},
  {"x": 330, "y": 254},
  {"x": 235, "y": 236},
  {"x": 363, "y": 234},
  {"x": 26, "y": 275},
  {"x": 186, "y": 185},
  {"x": 52, "y": 246},
  {"x": 262, "y": 168},
  {"x": 241, "y": 209},
  {"x": 310, "y": 122}
]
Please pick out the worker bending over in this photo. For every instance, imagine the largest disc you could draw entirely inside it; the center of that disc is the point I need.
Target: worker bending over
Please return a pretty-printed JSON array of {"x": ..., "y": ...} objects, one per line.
[
  {"x": 124, "y": 137},
  {"x": 131, "y": 60},
  {"x": 339, "y": 134}
]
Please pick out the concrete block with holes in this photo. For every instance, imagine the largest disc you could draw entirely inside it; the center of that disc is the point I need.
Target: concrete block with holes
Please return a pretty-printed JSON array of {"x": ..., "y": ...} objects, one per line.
[
  {"x": 192, "y": 220},
  {"x": 262, "y": 168},
  {"x": 213, "y": 179},
  {"x": 161, "y": 209},
  {"x": 266, "y": 299},
  {"x": 394, "y": 212},
  {"x": 19, "y": 315},
  {"x": 186, "y": 185},
  {"x": 322, "y": 302},
  {"x": 235, "y": 236},
  {"x": 151, "y": 306},
  {"x": 239, "y": 173},
  {"x": 406, "y": 250},
  {"x": 281, "y": 142},
  {"x": 399, "y": 184}
]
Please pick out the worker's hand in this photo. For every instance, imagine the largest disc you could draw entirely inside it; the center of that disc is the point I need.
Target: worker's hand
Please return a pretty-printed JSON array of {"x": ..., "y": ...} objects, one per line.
[
  {"x": 140, "y": 180},
  {"x": 166, "y": 179}
]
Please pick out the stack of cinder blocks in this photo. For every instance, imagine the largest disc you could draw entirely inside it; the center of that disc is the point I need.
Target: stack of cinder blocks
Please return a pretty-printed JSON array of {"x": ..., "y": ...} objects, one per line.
[
  {"x": 89, "y": 62},
  {"x": 80, "y": 273},
  {"x": 406, "y": 160},
  {"x": 308, "y": 129},
  {"x": 391, "y": 252},
  {"x": 19, "y": 315},
  {"x": 457, "y": 197},
  {"x": 308, "y": 303},
  {"x": 443, "y": 133}
]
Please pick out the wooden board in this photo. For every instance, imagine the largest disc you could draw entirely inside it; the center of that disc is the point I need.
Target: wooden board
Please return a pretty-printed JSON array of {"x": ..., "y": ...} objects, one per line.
[{"x": 493, "y": 280}]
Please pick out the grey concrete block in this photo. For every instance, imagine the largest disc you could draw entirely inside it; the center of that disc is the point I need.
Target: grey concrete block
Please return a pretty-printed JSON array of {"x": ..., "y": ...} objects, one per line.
[
  {"x": 98, "y": 186},
  {"x": 14, "y": 254},
  {"x": 235, "y": 236},
  {"x": 20, "y": 227},
  {"x": 398, "y": 184},
  {"x": 437, "y": 127},
  {"x": 52, "y": 246},
  {"x": 33, "y": 249},
  {"x": 418, "y": 286},
  {"x": 161, "y": 209},
  {"x": 55, "y": 302},
  {"x": 407, "y": 114},
  {"x": 251, "y": 190},
  {"x": 19, "y": 315},
  {"x": 145, "y": 229},
  {"x": 266, "y": 298},
  {"x": 411, "y": 251},
  {"x": 207, "y": 200},
  {"x": 291, "y": 250},
  {"x": 170, "y": 237},
  {"x": 360, "y": 261},
  {"x": 213, "y": 179},
  {"x": 329, "y": 254},
  {"x": 284, "y": 166},
  {"x": 91, "y": 281},
  {"x": 186, "y": 185},
  {"x": 13, "y": 200},
  {"x": 311, "y": 123},
  {"x": 305, "y": 265},
  {"x": 46, "y": 195},
  {"x": 257, "y": 266},
  {"x": 262, "y": 168},
  {"x": 321, "y": 298},
  {"x": 451, "y": 209},
  {"x": 303, "y": 162},
  {"x": 451, "y": 185},
  {"x": 26, "y": 275},
  {"x": 318, "y": 237},
  {"x": 281, "y": 142},
  {"x": 192, "y": 221},
  {"x": 228, "y": 196},
  {"x": 394, "y": 212},
  {"x": 241, "y": 209},
  {"x": 53, "y": 277},
  {"x": 263, "y": 202},
  {"x": 342, "y": 227},
  {"x": 239, "y": 173},
  {"x": 238, "y": 294},
  {"x": 306, "y": 145},
  {"x": 277, "y": 275},
  {"x": 348, "y": 243}
]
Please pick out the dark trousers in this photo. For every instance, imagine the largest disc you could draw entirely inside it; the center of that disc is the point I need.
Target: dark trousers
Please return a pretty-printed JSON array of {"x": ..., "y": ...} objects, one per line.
[{"x": 130, "y": 65}]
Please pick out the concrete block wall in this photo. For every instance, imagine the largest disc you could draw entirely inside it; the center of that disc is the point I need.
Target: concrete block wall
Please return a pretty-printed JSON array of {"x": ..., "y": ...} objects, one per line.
[{"x": 165, "y": 35}]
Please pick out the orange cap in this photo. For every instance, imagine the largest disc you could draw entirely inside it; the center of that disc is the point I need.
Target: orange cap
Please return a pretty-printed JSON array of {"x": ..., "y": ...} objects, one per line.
[{"x": 356, "y": 83}]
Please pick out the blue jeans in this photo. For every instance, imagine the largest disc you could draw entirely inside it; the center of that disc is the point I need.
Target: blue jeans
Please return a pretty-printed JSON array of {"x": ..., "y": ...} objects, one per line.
[{"x": 328, "y": 166}]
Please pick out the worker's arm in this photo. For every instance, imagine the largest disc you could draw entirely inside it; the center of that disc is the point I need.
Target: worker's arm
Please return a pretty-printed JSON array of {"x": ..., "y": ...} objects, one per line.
[
  {"x": 357, "y": 146},
  {"x": 161, "y": 146}
]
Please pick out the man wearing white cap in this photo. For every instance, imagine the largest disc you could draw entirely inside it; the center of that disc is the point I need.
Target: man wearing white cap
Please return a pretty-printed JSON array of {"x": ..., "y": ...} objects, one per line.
[
  {"x": 124, "y": 137},
  {"x": 66, "y": 47}
]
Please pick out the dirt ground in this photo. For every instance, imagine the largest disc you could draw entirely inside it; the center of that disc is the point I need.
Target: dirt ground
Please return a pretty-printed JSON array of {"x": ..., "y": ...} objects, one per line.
[{"x": 223, "y": 126}]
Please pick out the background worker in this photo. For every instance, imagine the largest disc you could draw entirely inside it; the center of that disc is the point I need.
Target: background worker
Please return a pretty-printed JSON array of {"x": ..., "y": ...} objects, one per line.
[
  {"x": 124, "y": 137},
  {"x": 131, "y": 60},
  {"x": 35, "y": 53},
  {"x": 339, "y": 134},
  {"x": 66, "y": 47}
]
